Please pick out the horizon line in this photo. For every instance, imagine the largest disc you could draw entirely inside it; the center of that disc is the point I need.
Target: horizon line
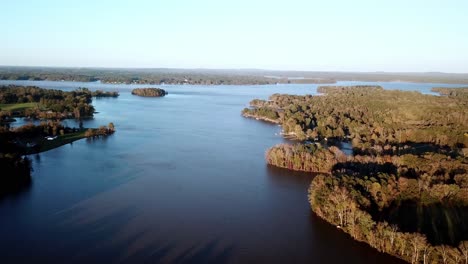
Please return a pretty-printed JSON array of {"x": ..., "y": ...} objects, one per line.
[{"x": 227, "y": 69}]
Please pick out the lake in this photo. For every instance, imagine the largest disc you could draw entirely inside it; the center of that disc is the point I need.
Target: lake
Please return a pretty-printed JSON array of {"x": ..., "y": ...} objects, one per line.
[{"x": 183, "y": 180}]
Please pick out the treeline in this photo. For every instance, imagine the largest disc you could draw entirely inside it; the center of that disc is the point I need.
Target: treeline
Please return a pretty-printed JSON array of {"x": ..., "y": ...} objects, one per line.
[
  {"x": 52, "y": 104},
  {"x": 14, "y": 94},
  {"x": 374, "y": 119},
  {"x": 149, "y": 92},
  {"x": 428, "y": 178},
  {"x": 212, "y": 76},
  {"x": 424, "y": 197},
  {"x": 304, "y": 157},
  {"x": 101, "y": 93},
  {"x": 44, "y": 128},
  {"x": 101, "y": 131},
  {"x": 456, "y": 92},
  {"x": 337, "y": 204},
  {"x": 153, "y": 76},
  {"x": 19, "y": 140}
]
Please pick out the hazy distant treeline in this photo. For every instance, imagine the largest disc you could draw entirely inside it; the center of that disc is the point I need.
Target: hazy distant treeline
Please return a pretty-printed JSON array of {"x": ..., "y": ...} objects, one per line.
[
  {"x": 156, "y": 76},
  {"x": 216, "y": 77}
]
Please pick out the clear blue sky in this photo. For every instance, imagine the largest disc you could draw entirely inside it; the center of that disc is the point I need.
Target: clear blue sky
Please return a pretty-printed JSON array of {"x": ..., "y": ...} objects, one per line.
[{"x": 371, "y": 35}]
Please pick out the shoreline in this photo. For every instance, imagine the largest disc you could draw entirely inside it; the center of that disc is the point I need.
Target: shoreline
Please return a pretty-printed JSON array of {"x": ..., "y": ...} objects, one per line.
[
  {"x": 61, "y": 140},
  {"x": 262, "y": 119},
  {"x": 356, "y": 191},
  {"x": 454, "y": 82},
  {"x": 44, "y": 144}
]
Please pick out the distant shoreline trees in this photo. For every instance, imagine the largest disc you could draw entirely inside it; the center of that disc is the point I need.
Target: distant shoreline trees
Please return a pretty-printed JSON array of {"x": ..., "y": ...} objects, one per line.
[{"x": 156, "y": 76}]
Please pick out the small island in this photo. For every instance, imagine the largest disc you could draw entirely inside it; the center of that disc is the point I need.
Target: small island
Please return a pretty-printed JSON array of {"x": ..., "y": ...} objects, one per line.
[
  {"x": 404, "y": 188},
  {"x": 149, "y": 92}
]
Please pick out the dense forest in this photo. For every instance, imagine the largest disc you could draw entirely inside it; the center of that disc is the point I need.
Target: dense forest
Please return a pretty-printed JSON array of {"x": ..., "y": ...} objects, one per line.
[
  {"x": 149, "y": 92},
  {"x": 375, "y": 120},
  {"x": 404, "y": 191},
  {"x": 35, "y": 102}
]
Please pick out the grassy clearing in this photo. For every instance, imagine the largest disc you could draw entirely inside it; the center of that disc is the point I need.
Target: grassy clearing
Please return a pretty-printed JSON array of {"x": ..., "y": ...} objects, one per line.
[
  {"x": 17, "y": 107},
  {"x": 45, "y": 145}
]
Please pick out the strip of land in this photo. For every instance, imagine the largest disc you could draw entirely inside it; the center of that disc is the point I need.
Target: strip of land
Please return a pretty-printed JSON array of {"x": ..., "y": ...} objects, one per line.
[{"x": 218, "y": 77}]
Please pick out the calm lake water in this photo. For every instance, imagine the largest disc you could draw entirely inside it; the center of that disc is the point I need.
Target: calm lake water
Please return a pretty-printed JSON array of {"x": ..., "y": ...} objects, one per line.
[{"x": 183, "y": 180}]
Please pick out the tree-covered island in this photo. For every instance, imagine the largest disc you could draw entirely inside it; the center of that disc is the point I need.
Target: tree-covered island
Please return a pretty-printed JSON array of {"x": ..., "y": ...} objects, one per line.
[
  {"x": 404, "y": 191},
  {"x": 149, "y": 92},
  {"x": 49, "y": 106}
]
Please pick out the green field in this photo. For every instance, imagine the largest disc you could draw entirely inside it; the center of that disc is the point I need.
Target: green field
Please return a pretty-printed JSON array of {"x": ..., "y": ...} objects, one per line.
[
  {"x": 17, "y": 107},
  {"x": 45, "y": 145}
]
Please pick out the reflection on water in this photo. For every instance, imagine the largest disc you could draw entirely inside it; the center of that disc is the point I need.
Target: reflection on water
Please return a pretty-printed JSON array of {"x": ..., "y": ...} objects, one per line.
[
  {"x": 16, "y": 192},
  {"x": 183, "y": 180}
]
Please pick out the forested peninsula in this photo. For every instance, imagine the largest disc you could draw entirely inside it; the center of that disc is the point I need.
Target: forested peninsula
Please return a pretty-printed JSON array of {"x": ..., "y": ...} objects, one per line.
[
  {"x": 404, "y": 190},
  {"x": 47, "y": 107}
]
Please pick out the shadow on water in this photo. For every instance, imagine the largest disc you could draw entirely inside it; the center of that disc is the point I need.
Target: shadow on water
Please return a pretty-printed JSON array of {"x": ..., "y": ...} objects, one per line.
[
  {"x": 289, "y": 177},
  {"x": 17, "y": 190},
  {"x": 15, "y": 181},
  {"x": 208, "y": 253},
  {"x": 101, "y": 239}
]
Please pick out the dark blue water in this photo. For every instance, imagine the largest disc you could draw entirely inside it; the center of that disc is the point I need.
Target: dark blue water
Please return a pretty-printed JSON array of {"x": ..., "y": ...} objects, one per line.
[{"x": 183, "y": 180}]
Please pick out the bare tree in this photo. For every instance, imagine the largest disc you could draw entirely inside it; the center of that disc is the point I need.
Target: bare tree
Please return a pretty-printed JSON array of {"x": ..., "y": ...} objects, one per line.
[
  {"x": 463, "y": 246},
  {"x": 418, "y": 242},
  {"x": 426, "y": 253}
]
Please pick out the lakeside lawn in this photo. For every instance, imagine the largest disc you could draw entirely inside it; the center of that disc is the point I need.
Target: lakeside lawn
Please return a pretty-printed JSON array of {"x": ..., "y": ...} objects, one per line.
[
  {"x": 44, "y": 145},
  {"x": 17, "y": 107}
]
